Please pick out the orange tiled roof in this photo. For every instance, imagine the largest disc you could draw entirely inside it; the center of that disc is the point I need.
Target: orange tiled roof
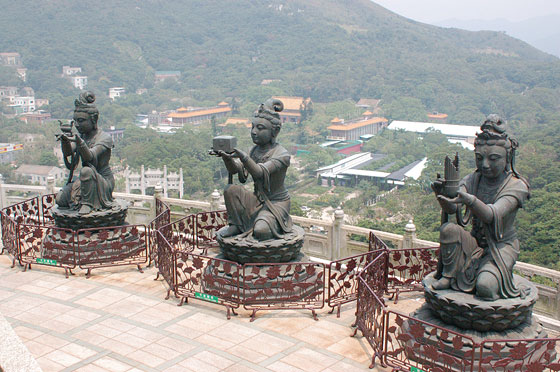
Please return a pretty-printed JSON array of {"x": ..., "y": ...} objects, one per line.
[
  {"x": 367, "y": 113},
  {"x": 371, "y": 102},
  {"x": 237, "y": 121},
  {"x": 190, "y": 114},
  {"x": 437, "y": 116},
  {"x": 336, "y": 120},
  {"x": 223, "y": 103},
  {"x": 290, "y": 103},
  {"x": 358, "y": 124}
]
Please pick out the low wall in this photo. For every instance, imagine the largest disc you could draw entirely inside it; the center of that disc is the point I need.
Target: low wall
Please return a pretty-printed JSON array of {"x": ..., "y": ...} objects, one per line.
[{"x": 325, "y": 239}]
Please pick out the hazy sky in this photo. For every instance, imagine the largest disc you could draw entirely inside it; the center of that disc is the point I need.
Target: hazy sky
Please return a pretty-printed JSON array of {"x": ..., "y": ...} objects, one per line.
[{"x": 437, "y": 10}]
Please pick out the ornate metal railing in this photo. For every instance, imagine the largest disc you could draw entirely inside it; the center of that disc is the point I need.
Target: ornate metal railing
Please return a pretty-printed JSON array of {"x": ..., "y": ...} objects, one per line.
[
  {"x": 283, "y": 286},
  {"x": 326, "y": 239},
  {"x": 163, "y": 217},
  {"x": 9, "y": 236},
  {"x": 47, "y": 245},
  {"x": 208, "y": 279},
  {"x": 398, "y": 340},
  {"x": 342, "y": 278},
  {"x": 47, "y": 202},
  {"x": 166, "y": 259},
  {"x": 411, "y": 344},
  {"x": 28, "y": 235},
  {"x": 370, "y": 306},
  {"x": 524, "y": 355},
  {"x": 207, "y": 224},
  {"x": 112, "y": 246},
  {"x": 407, "y": 268}
]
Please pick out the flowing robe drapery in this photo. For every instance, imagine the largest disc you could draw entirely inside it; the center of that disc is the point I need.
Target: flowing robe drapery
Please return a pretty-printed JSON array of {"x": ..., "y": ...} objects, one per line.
[{"x": 269, "y": 202}]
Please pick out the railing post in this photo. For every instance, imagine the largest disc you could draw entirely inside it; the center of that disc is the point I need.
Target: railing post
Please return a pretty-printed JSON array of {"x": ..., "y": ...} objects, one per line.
[
  {"x": 158, "y": 192},
  {"x": 50, "y": 185},
  {"x": 215, "y": 200},
  {"x": 557, "y": 298},
  {"x": 409, "y": 235},
  {"x": 338, "y": 239},
  {"x": 3, "y": 200}
]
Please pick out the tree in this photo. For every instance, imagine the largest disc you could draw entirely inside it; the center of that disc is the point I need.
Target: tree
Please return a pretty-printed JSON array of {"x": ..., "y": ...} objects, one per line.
[
  {"x": 214, "y": 125},
  {"x": 48, "y": 158}
]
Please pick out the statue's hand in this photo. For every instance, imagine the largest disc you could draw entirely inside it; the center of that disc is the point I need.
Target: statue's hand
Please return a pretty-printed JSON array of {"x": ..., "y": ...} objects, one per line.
[
  {"x": 67, "y": 138},
  {"x": 222, "y": 154},
  {"x": 242, "y": 155},
  {"x": 461, "y": 198},
  {"x": 78, "y": 139},
  {"x": 437, "y": 186},
  {"x": 445, "y": 203}
]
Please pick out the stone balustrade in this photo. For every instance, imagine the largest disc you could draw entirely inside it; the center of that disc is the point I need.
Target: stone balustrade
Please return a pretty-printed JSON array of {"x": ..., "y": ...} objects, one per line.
[{"x": 325, "y": 239}]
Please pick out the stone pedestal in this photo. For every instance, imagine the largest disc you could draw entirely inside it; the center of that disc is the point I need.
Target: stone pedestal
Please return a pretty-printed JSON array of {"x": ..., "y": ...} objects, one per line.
[
  {"x": 466, "y": 311},
  {"x": 245, "y": 249},
  {"x": 70, "y": 219},
  {"x": 481, "y": 321}
]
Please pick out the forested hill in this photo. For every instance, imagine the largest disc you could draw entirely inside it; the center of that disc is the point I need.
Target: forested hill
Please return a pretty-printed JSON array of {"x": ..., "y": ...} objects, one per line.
[{"x": 326, "y": 49}]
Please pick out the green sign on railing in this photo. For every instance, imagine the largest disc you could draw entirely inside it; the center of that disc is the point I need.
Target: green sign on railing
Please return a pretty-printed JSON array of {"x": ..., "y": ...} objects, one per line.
[
  {"x": 46, "y": 261},
  {"x": 207, "y": 297},
  {"x": 415, "y": 369}
]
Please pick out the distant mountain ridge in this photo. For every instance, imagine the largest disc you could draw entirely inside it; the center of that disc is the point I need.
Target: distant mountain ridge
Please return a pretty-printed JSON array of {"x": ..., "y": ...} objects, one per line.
[
  {"x": 326, "y": 49},
  {"x": 541, "y": 32}
]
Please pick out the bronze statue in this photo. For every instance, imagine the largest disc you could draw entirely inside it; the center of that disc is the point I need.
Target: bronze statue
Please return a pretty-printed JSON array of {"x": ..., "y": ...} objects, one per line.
[
  {"x": 481, "y": 261},
  {"x": 263, "y": 213},
  {"x": 92, "y": 189}
]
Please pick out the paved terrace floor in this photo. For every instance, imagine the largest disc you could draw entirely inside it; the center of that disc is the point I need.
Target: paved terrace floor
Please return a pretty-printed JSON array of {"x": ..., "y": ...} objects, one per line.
[{"x": 118, "y": 320}]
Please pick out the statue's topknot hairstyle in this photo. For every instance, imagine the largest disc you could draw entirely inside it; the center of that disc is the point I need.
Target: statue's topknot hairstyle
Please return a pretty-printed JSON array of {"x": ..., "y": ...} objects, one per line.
[
  {"x": 85, "y": 103},
  {"x": 270, "y": 111},
  {"x": 494, "y": 134}
]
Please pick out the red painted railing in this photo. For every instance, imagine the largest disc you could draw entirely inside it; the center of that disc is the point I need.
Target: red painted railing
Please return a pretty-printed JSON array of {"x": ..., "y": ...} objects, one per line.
[
  {"x": 407, "y": 267},
  {"x": 282, "y": 286},
  {"x": 398, "y": 340}
]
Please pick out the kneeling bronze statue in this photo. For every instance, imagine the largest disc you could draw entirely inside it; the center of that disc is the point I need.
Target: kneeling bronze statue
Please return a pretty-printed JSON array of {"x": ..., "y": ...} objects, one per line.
[
  {"x": 260, "y": 228},
  {"x": 264, "y": 213},
  {"x": 93, "y": 188},
  {"x": 481, "y": 261},
  {"x": 87, "y": 199}
]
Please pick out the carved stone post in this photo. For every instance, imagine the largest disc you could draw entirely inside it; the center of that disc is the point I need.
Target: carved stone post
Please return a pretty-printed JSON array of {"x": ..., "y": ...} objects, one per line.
[
  {"x": 557, "y": 305},
  {"x": 50, "y": 185},
  {"x": 158, "y": 193},
  {"x": 3, "y": 196},
  {"x": 409, "y": 235},
  {"x": 215, "y": 200},
  {"x": 338, "y": 240}
]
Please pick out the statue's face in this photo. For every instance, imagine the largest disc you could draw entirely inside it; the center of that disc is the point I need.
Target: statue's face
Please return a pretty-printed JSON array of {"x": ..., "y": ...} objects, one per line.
[
  {"x": 262, "y": 132},
  {"x": 491, "y": 161},
  {"x": 83, "y": 122}
]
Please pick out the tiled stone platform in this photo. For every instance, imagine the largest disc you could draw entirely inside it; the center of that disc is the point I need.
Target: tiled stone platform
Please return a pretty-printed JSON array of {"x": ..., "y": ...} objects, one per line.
[{"x": 118, "y": 321}]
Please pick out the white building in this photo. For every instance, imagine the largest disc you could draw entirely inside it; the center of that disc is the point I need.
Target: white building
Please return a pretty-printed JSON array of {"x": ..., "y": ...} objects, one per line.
[
  {"x": 348, "y": 171},
  {"x": 462, "y": 134},
  {"x": 116, "y": 92},
  {"x": 8, "y": 94},
  {"x": 10, "y": 59},
  {"x": 69, "y": 71},
  {"x": 79, "y": 82},
  {"x": 22, "y": 73},
  {"x": 40, "y": 173},
  {"x": 152, "y": 178},
  {"x": 23, "y": 104}
]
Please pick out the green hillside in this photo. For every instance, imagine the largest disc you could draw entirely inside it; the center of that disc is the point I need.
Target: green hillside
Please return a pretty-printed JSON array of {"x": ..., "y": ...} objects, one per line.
[
  {"x": 327, "y": 49},
  {"x": 334, "y": 51}
]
